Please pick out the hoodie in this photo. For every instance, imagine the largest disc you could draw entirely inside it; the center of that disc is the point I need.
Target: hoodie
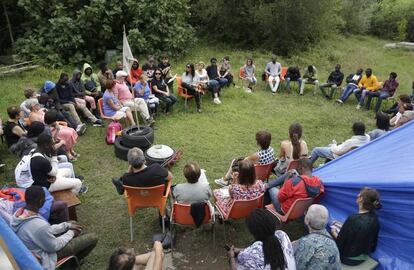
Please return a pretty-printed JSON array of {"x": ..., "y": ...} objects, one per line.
[
  {"x": 40, "y": 237},
  {"x": 92, "y": 77},
  {"x": 77, "y": 85}
]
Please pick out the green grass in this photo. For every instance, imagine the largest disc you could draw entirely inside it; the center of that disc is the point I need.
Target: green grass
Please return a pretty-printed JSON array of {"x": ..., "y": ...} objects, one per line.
[{"x": 213, "y": 138}]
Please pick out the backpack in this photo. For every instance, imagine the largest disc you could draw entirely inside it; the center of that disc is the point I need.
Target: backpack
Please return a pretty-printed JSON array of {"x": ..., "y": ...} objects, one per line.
[
  {"x": 113, "y": 128},
  {"x": 22, "y": 173},
  {"x": 312, "y": 191}
]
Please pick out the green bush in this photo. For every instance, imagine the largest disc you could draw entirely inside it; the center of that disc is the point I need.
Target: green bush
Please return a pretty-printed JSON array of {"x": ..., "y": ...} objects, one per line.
[
  {"x": 356, "y": 15},
  {"x": 73, "y": 31}
]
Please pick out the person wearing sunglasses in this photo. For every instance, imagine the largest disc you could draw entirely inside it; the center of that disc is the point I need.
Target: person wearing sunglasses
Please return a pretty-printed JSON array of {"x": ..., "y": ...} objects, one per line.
[{"x": 162, "y": 91}]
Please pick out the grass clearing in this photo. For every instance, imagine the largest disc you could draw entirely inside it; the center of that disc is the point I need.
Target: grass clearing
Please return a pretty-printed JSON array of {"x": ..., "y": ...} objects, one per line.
[{"x": 214, "y": 138}]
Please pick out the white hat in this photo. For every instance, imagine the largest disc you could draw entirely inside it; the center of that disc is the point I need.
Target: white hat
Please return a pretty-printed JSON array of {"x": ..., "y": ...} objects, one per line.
[{"x": 121, "y": 73}]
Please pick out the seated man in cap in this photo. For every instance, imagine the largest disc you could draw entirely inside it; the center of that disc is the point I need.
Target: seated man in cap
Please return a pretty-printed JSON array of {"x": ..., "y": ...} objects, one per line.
[
  {"x": 139, "y": 174},
  {"x": 49, "y": 242}
]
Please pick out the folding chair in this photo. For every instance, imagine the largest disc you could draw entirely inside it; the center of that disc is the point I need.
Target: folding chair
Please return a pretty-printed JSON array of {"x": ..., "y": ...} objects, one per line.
[
  {"x": 180, "y": 215},
  {"x": 146, "y": 197},
  {"x": 296, "y": 211},
  {"x": 240, "y": 209},
  {"x": 263, "y": 171},
  {"x": 182, "y": 92}
]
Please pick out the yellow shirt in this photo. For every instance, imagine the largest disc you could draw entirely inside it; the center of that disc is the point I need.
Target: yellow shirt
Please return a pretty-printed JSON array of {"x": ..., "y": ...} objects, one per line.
[{"x": 370, "y": 83}]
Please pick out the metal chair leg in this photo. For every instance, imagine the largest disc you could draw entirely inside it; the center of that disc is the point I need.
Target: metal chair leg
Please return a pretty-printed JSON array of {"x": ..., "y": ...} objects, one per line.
[
  {"x": 163, "y": 224},
  {"x": 130, "y": 229}
]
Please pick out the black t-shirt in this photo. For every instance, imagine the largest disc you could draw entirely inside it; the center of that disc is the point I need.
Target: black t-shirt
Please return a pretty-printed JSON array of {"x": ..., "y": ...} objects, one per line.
[
  {"x": 148, "y": 70},
  {"x": 160, "y": 85},
  {"x": 11, "y": 138},
  {"x": 164, "y": 66},
  {"x": 40, "y": 168},
  {"x": 212, "y": 72},
  {"x": 151, "y": 176}
]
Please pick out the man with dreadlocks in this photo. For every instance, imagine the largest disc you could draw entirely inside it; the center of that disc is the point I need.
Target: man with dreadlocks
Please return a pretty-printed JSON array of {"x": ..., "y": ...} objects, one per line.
[{"x": 271, "y": 250}]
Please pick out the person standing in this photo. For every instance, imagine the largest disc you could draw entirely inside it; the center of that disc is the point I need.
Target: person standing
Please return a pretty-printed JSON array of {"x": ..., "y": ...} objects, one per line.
[{"x": 273, "y": 70}]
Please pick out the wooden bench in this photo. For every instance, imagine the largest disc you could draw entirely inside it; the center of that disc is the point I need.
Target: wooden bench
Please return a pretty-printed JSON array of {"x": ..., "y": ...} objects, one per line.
[{"x": 70, "y": 199}]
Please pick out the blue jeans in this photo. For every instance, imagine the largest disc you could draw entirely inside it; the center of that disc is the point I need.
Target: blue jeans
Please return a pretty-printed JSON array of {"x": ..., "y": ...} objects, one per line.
[
  {"x": 348, "y": 90},
  {"x": 287, "y": 79},
  {"x": 324, "y": 152},
  {"x": 278, "y": 181},
  {"x": 380, "y": 95},
  {"x": 360, "y": 95},
  {"x": 222, "y": 81},
  {"x": 273, "y": 194}
]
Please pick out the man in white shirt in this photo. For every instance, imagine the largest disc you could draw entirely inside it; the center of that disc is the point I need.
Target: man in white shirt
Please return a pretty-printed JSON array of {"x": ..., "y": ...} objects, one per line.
[
  {"x": 273, "y": 70},
  {"x": 333, "y": 150}
]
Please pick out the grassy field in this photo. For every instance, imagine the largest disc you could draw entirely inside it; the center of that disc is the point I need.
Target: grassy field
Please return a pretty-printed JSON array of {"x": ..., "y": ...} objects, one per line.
[{"x": 213, "y": 138}]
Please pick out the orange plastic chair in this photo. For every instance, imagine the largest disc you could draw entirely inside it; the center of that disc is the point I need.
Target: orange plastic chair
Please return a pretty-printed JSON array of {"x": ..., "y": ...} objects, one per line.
[
  {"x": 297, "y": 210},
  {"x": 100, "y": 107},
  {"x": 182, "y": 92},
  {"x": 241, "y": 73},
  {"x": 146, "y": 197},
  {"x": 263, "y": 171},
  {"x": 72, "y": 260},
  {"x": 283, "y": 73},
  {"x": 181, "y": 215}
]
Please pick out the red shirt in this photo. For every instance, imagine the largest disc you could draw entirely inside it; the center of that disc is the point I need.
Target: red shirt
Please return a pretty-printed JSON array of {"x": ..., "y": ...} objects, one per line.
[
  {"x": 294, "y": 189},
  {"x": 135, "y": 74}
]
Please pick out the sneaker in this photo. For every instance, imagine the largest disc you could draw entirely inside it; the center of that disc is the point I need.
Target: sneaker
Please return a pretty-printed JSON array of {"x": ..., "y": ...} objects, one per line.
[
  {"x": 84, "y": 189},
  {"x": 301, "y": 94},
  {"x": 273, "y": 93},
  {"x": 339, "y": 101},
  {"x": 199, "y": 110},
  {"x": 247, "y": 90},
  {"x": 2, "y": 165},
  {"x": 150, "y": 121},
  {"x": 80, "y": 177},
  {"x": 216, "y": 101},
  {"x": 221, "y": 182},
  {"x": 81, "y": 129},
  {"x": 98, "y": 123},
  {"x": 358, "y": 107},
  {"x": 118, "y": 185}
]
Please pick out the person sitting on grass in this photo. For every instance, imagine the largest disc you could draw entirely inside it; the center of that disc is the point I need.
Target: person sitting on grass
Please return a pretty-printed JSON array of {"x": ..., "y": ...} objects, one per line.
[
  {"x": 383, "y": 126},
  {"x": 92, "y": 84},
  {"x": 134, "y": 74},
  {"x": 271, "y": 248},
  {"x": 139, "y": 174},
  {"x": 273, "y": 70},
  {"x": 126, "y": 259},
  {"x": 13, "y": 130},
  {"x": 333, "y": 150},
  {"x": 310, "y": 77},
  {"x": 67, "y": 99},
  {"x": 124, "y": 95},
  {"x": 190, "y": 85},
  {"x": 244, "y": 186},
  {"x": 358, "y": 236},
  {"x": 112, "y": 107},
  {"x": 318, "y": 249},
  {"x": 48, "y": 242},
  {"x": 195, "y": 190},
  {"x": 214, "y": 75},
  {"x": 250, "y": 73},
  {"x": 388, "y": 89},
  {"x": 202, "y": 80},
  {"x": 293, "y": 75},
  {"x": 225, "y": 71},
  {"x": 265, "y": 155},
  {"x": 352, "y": 83},
  {"x": 162, "y": 91},
  {"x": 368, "y": 83},
  {"x": 29, "y": 94},
  {"x": 404, "y": 115},
  {"x": 47, "y": 172},
  {"x": 334, "y": 81},
  {"x": 292, "y": 149},
  {"x": 294, "y": 187},
  {"x": 142, "y": 90}
]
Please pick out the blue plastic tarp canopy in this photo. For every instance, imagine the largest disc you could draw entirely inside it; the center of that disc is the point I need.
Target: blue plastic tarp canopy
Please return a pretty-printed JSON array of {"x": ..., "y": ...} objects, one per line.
[
  {"x": 386, "y": 164},
  {"x": 23, "y": 257}
]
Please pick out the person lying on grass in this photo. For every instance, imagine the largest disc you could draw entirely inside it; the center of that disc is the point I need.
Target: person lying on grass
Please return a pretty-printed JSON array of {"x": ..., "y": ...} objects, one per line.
[{"x": 126, "y": 259}]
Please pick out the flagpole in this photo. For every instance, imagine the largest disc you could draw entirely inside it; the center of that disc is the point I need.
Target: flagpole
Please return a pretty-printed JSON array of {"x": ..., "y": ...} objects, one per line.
[{"x": 130, "y": 80}]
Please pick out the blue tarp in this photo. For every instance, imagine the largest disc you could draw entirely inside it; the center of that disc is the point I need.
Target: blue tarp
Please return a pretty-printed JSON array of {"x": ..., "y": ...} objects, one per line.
[
  {"x": 386, "y": 164},
  {"x": 23, "y": 257}
]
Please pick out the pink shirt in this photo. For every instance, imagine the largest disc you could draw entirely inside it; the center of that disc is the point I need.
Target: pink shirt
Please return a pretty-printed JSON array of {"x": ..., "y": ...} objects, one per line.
[{"x": 121, "y": 91}]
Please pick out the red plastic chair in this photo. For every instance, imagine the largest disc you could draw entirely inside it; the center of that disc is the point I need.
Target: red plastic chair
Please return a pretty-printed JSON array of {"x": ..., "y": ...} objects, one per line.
[
  {"x": 72, "y": 260},
  {"x": 263, "y": 171},
  {"x": 297, "y": 210},
  {"x": 293, "y": 165},
  {"x": 100, "y": 107},
  {"x": 182, "y": 92},
  {"x": 180, "y": 215},
  {"x": 283, "y": 73},
  {"x": 146, "y": 197}
]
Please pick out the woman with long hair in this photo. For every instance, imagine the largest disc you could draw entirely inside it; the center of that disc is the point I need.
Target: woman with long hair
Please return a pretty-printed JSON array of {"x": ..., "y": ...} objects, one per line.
[
  {"x": 188, "y": 83},
  {"x": 271, "y": 250}
]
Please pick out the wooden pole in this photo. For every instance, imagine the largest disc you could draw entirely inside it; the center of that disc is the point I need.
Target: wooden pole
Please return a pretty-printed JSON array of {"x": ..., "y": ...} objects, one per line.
[{"x": 8, "y": 24}]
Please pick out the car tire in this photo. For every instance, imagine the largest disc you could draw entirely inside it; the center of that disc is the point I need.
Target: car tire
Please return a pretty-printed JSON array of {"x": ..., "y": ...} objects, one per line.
[
  {"x": 141, "y": 138},
  {"x": 121, "y": 151}
]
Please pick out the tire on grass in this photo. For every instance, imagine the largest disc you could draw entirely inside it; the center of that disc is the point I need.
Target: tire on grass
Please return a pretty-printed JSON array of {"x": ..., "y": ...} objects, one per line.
[
  {"x": 121, "y": 151},
  {"x": 141, "y": 138}
]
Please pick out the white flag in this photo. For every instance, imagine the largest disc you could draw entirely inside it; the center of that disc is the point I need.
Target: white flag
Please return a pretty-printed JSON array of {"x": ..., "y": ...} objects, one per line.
[{"x": 127, "y": 56}]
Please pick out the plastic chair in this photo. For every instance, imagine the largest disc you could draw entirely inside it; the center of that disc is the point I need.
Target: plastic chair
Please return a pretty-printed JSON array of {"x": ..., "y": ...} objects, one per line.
[
  {"x": 293, "y": 164},
  {"x": 241, "y": 75},
  {"x": 100, "y": 107},
  {"x": 263, "y": 171},
  {"x": 240, "y": 209},
  {"x": 181, "y": 215},
  {"x": 283, "y": 73},
  {"x": 297, "y": 210},
  {"x": 182, "y": 92},
  {"x": 146, "y": 197},
  {"x": 72, "y": 260}
]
